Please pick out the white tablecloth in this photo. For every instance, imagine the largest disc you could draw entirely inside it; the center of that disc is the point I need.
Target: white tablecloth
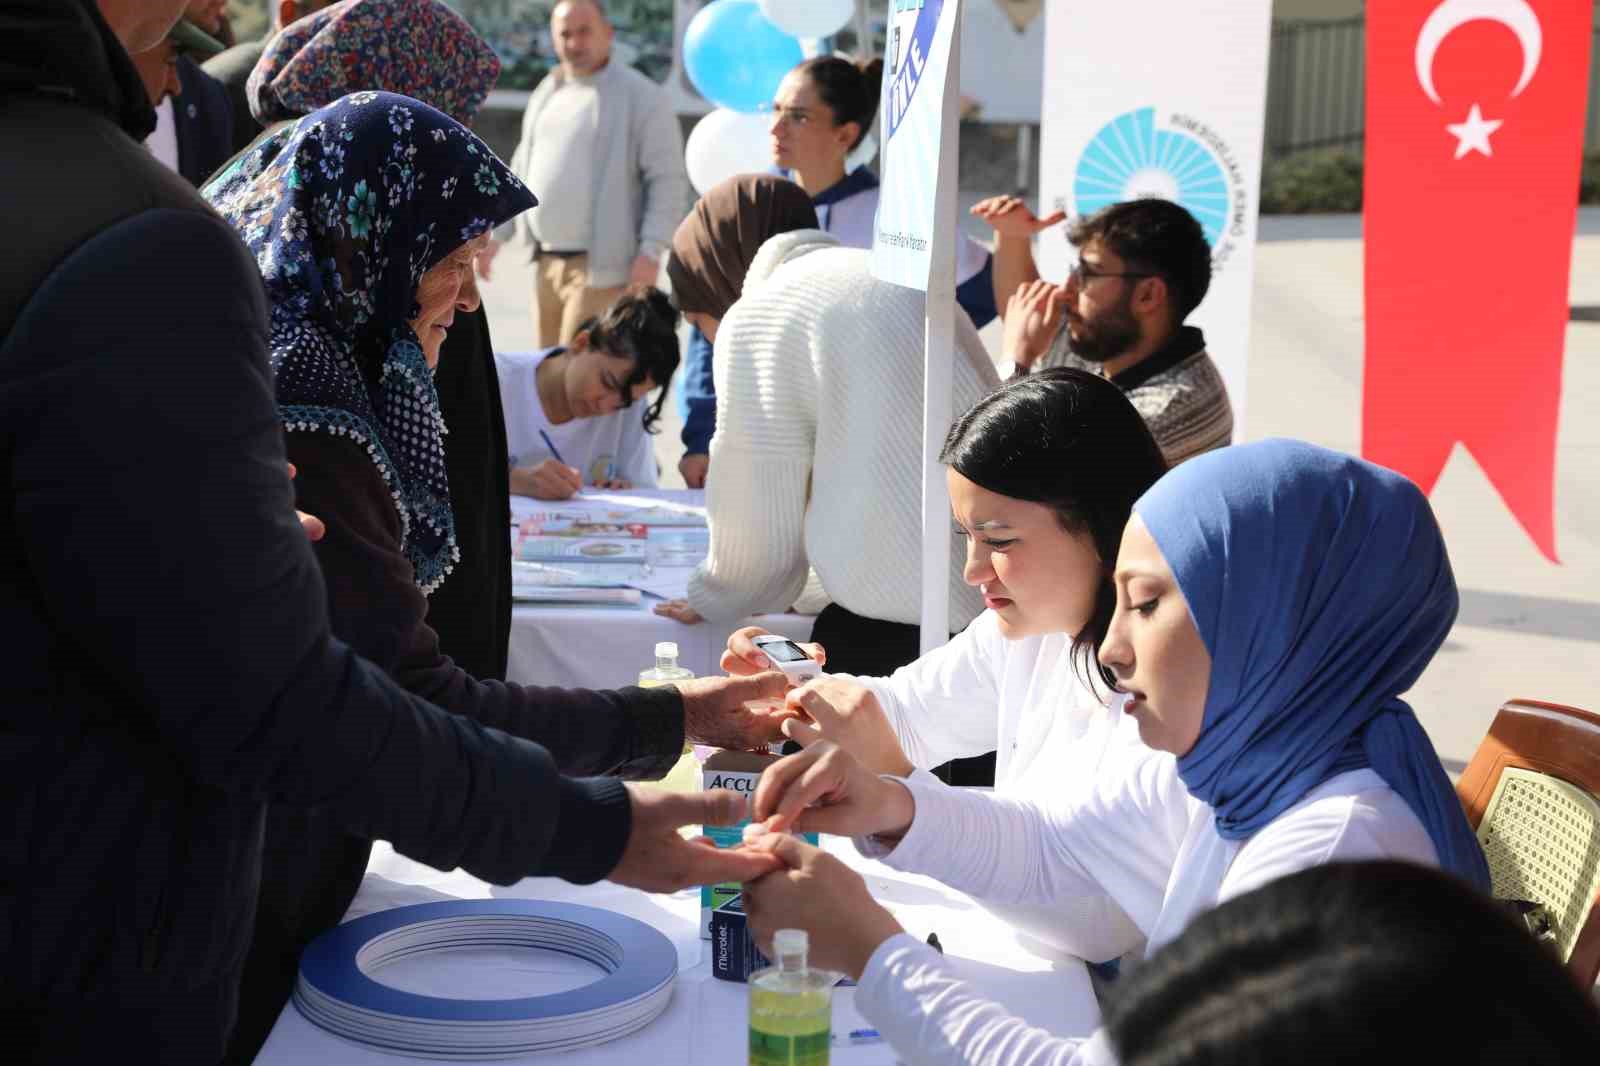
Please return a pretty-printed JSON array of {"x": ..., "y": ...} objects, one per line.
[
  {"x": 705, "y": 1023},
  {"x": 606, "y": 647}
]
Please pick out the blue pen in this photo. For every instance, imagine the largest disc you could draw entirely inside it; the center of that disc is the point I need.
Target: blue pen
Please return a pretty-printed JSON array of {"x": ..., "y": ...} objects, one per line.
[{"x": 548, "y": 443}]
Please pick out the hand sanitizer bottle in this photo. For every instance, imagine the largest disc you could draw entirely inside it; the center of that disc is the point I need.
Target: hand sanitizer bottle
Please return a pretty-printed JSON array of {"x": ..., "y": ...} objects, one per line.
[
  {"x": 791, "y": 1007},
  {"x": 685, "y": 773}
]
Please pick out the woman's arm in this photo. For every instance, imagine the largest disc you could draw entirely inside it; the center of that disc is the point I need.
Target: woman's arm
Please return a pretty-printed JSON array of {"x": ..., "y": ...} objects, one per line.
[
  {"x": 911, "y": 994},
  {"x": 376, "y": 607},
  {"x": 945, "y": 705},
  {"x": 1118, "y": 834}
]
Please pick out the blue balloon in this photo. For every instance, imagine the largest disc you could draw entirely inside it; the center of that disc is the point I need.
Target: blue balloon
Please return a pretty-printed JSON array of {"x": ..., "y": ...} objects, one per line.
[{"x": 735, "y": 55}]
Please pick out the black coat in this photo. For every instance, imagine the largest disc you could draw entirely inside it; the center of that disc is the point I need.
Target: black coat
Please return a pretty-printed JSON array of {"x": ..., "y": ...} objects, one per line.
[
  {"x": 170, "y": 667},
  {"x": 203, "y": 117},
  {"x": 471, "y": 611},
  {"x": 232, "y": 69}
]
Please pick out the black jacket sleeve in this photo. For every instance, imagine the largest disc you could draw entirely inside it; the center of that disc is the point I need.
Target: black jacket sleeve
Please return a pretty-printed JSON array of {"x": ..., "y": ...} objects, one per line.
[
  {"x": 378, "y": 610},
  {"x": 156, "y": 514}
]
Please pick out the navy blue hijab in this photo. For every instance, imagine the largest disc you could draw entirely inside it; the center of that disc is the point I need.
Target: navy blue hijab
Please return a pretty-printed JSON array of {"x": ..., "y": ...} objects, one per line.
[
  {"x": 345, "y": 210},
  {"x": 1321, "y": 588}
]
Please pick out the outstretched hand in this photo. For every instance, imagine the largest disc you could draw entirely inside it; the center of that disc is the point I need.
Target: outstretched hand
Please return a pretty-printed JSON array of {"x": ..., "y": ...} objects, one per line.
[
  {"x": 658, "y": 859},
  {"x": 1010, "y": 216},
  {"x": 718, "y": 711}
]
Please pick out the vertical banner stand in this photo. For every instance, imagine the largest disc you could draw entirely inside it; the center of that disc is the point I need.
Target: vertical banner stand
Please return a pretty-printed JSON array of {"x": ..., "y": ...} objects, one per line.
[
  {"x": 914, "y": 244},
  {"x": 939, "y": 337}
]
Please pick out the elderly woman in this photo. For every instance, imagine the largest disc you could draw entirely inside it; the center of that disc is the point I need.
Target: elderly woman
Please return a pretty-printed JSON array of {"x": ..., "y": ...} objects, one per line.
[
  {"x": 819, "y": 425},
  {"x": 422, "y": 49},
  {"x": 364, "y": 217}
]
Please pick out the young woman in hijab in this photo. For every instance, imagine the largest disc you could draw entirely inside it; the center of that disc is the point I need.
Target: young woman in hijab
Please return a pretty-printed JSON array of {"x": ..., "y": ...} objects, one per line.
[
  {"x": 819, "y": 367},
  {"x": 422, "y": 49},
  {"x": 1274, "y": 601},
  {"x": 821, "y": 114},
  {"x": 364, "y": 217},
  {"x": 1042, "y": 475}
]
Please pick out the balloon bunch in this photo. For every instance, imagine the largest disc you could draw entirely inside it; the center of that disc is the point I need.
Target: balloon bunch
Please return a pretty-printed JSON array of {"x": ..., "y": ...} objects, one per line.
[{"x": 736, "y": 52}]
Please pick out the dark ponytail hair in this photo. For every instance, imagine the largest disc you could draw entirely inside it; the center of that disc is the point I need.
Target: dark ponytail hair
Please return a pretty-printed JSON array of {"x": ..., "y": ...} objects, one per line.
[
  {"x": 850, "y": 90},
  {"x": 1070, "y": 440},
  {"x": 642, "y": 325}
]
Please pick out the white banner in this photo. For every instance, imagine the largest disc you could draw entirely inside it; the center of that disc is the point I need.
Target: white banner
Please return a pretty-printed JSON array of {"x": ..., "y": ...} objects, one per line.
[
  {"x": 1176, "y": 111},
  {"x": 916, "y": 63}
]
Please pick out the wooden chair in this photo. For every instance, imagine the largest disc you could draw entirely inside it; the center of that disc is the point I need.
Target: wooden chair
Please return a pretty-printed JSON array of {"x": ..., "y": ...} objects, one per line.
[{"x": 1530, "y": 792}]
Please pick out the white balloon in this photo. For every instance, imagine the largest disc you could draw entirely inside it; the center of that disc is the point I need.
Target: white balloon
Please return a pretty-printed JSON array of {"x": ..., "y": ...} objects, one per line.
[
  {"x": 725, "y": 143},
  {"x": 809, "y": 18}
]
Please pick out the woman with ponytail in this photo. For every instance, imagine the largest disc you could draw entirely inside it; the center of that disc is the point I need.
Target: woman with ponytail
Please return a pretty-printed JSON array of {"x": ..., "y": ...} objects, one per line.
[{"x": 821, "y": 115}]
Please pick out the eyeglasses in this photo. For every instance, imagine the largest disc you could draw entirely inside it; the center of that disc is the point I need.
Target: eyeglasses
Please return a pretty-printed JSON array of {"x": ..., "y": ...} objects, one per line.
[{"x": 1083, "y": 273}]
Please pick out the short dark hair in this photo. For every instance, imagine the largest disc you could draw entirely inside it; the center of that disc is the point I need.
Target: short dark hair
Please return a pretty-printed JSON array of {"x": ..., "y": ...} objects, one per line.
[
  {"x": 849, "y": 89},
  {"x": 1158, "y": 236},
  {"x": 642, "y": 325},
  {"x": 1070, "y": 440},
  {"x": 1350, "y": 963}
]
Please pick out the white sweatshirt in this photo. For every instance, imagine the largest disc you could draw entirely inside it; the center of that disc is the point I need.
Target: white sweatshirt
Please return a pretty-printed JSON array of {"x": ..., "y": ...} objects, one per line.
[
  {"x": 1024, "y": 700},
  {"x": 1133, "y": 832},
  {"x": 602, "y": 447},
  {"x": 817, "y": 454}
]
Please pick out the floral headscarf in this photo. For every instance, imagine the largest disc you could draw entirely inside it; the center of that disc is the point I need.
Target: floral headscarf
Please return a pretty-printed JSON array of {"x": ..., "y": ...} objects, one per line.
[
  {"x": 344, "y": 211},
  {"x": 417, "y": 47}
]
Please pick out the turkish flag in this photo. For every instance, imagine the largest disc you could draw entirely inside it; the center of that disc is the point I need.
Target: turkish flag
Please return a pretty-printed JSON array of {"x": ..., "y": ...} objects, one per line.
[{"x": 1475, "y": 112}]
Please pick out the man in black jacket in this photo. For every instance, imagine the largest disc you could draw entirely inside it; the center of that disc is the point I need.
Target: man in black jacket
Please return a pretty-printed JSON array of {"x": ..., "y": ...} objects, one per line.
[
  {"x": 170, "y": 664},
  {"x": 232, "y": 68}
]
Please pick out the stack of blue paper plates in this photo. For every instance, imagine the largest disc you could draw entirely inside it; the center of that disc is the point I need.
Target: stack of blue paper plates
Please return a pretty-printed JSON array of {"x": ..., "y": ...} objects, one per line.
[{"x": 337, "y": 992}]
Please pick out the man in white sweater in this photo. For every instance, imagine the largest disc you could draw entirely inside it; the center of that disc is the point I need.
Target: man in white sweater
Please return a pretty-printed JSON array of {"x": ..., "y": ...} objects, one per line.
[{"x": 817, "y": 452}]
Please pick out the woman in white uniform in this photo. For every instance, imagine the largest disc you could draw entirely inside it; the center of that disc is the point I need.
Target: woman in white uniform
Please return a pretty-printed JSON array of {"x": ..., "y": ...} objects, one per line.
[
  {"x": 1042, "y": 476},
  {"x": 1274, "y": 601},
  {"x": 822, "y": 112}
]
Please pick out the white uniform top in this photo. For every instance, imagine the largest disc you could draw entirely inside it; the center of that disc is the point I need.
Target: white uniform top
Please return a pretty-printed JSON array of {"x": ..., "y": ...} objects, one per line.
[
  {"x": 603, "y": 447},
  {"x": 1134, "y": 832},
  {"x": 1024, "y": 700}
]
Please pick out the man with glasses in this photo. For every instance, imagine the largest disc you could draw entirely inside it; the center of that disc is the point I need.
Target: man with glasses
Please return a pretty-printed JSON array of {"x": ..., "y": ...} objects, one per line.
[{"x": 1143, "y": 266}]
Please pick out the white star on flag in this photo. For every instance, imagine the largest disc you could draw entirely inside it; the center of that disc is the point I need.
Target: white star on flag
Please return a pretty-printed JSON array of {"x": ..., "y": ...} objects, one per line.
[{"x": 1473, "y": 134}]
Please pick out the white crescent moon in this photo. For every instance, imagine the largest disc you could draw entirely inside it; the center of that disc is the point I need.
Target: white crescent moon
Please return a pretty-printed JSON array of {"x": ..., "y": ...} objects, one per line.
[{"x": 1515, "y": 15}]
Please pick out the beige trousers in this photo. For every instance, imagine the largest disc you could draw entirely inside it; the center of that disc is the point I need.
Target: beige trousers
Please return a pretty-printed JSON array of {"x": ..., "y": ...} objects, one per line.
[{"x": 563, "y": 299}]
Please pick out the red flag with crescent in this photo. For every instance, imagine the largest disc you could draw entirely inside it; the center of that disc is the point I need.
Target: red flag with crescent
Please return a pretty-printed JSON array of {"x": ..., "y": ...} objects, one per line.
[{"x": 1475, "y": 112}]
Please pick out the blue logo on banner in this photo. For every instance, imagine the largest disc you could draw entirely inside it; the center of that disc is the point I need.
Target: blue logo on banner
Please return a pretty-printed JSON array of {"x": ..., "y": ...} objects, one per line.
[
  {"x": 1129, "y": 158},
  {"x": 911, "y": 60}
]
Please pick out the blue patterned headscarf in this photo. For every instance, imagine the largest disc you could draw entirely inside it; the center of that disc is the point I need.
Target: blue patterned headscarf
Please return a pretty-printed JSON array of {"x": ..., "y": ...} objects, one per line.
[
  {"x": 345, "y": 210},
  {"x": 1321, "y": 587}
]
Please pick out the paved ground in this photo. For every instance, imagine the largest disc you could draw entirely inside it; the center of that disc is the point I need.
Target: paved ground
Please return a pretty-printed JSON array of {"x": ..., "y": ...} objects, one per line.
[{"x": 1527, "y": 627}]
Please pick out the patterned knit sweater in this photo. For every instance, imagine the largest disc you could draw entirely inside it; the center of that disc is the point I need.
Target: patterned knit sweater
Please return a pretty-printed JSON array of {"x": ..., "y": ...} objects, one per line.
[
  {"x": 817, "y": 454},
  {"x": 1178, "y": 391}
]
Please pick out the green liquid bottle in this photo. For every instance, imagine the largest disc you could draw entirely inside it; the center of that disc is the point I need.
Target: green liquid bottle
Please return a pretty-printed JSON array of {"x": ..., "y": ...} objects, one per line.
[
  {"x": 685, "y": 773},
  {"x": 791, "y": 1007}
]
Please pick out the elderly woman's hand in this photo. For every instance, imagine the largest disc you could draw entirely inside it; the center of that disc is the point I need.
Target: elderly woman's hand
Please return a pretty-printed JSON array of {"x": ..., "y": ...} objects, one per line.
[{"x": 816, "y": 892}]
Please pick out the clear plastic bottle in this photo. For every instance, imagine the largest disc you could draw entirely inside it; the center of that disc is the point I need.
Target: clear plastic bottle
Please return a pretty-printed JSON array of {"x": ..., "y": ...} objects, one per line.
[
  {"x": 685, "y": 773},
  {"x": 791, "y": 1007}
]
